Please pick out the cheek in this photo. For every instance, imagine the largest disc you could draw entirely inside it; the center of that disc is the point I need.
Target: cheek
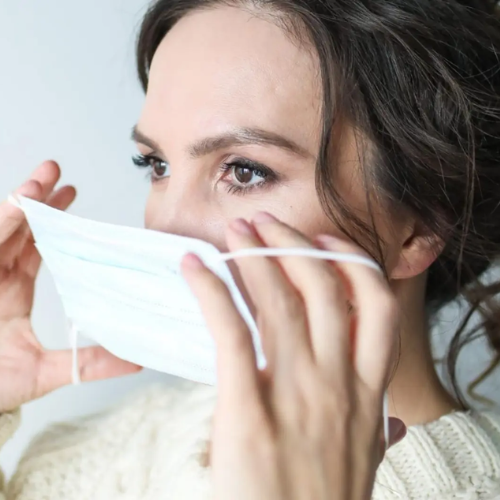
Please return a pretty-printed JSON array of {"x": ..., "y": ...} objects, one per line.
[
  {"x": 314, "y": 223},
  {"x": 303, "y": 212},
  {"x": 150, "y": 214},
  {"x": 200, "y": 221}
]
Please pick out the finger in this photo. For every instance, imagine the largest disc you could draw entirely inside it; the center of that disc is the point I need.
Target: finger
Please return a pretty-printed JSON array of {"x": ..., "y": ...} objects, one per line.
[
  {"x": 323, "y": 292},
  {"x": 38, "y": 187},
  {"x": 11, "y": 217},
  {"x": 47, "y": 174},
  {"x": 62, "y": 198},
  {"x": 94, "y": 363},
  {"x": 237, "y": 372},
  {"x": 30, "y": 258},
  {"x": 376, "y": 315},
  {"x": 281, "y": 315}
]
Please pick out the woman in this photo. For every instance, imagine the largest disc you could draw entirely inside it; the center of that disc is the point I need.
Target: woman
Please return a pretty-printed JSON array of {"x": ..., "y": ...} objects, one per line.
[{"x": 369, "y": 127}]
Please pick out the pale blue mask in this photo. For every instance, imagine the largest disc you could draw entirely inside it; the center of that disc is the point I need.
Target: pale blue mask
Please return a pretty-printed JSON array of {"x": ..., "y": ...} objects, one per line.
[{"x": 122, "y": 287}]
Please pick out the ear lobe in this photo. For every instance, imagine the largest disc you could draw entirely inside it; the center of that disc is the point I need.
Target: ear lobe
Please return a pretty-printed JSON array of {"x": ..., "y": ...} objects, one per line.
[{"x": 417, "y": 254}]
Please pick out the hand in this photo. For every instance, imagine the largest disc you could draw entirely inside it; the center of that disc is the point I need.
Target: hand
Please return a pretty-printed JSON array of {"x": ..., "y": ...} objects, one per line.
[
  {"x": 308, "y": 426},
  {"x": 27, "y": 370}
]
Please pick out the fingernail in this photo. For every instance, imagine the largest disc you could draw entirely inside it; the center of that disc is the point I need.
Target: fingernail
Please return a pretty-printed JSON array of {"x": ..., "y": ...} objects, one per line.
[
  {"x": 263, "y": 218},
  {"x": 193, "y": 261},
  {"x": 241, "y": 226},
  {"x": 327, "y": 240}
]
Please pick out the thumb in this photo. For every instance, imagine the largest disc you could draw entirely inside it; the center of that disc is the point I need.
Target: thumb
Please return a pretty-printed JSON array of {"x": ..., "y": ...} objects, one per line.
[
  {"x": 94, "y": 363},
  {"x": 11, "y": 217}
]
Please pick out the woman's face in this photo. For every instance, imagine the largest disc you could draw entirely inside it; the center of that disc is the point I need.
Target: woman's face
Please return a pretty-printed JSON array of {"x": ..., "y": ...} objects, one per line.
[{"x": 232, "y": 121}]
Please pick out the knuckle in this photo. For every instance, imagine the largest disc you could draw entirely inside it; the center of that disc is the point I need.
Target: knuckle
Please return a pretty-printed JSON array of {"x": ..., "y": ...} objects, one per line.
[
  {"x": 330, "y": 285},
  {"x": 91, "y": 356},
  {"x": 320, "y": 417},
  {"x": 259, "y": 441},
  {"x": 87, "y": 359},
  {"x": 341, "y": 404},
  {"x": 371, "y": 400},
  {"x": 324, "y": 425},
  {"x": 286, "y": 303}
]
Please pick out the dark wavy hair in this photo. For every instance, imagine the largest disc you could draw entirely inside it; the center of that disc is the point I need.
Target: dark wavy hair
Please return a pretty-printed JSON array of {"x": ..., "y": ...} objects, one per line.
[{"x": 420, "y": 81}]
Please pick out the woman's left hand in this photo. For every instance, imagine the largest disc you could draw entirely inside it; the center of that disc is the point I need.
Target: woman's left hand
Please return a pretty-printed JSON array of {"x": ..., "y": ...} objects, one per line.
[{"x": 308, "y": 426}]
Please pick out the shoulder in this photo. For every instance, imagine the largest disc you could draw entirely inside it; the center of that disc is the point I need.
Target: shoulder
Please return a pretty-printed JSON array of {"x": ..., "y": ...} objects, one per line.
[
  {"x": 74, "y": 453},
  {"x": 456, "y": 456}
]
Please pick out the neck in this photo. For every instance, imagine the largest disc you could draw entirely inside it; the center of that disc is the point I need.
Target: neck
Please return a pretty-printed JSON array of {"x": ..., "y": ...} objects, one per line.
[{"x": 416, "y": 395}]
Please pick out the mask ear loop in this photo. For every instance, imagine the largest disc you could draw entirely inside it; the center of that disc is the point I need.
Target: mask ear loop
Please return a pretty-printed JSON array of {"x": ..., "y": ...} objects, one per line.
[
  {"x": 316, "y": 254},
  {"x": 385, "y": 413},
  {"x": 75, "y": 367},
  {"x": 301, "y": 252}
]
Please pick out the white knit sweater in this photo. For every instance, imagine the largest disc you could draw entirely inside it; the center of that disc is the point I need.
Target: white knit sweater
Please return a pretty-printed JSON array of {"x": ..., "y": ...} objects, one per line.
[{"x": 149, "y": 449}]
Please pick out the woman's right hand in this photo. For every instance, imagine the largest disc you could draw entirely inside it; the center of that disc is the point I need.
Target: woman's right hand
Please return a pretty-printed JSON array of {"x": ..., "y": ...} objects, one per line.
[{"x": 27, "y": 370}]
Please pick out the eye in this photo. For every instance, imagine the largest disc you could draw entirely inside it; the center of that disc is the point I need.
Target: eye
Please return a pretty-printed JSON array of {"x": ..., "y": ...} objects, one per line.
[
  {"x": 245, "y": 175},
  {"x": 158, "y": 169}
]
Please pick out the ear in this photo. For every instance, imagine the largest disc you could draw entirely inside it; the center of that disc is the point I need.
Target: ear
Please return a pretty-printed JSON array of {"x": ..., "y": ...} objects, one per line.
[{"x": 419, "y": 249}]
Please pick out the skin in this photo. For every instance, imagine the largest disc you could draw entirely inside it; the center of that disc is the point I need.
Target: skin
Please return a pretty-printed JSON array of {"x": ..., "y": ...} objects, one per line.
[
  {"x": 307, "y": 426},
  {"x": 201, "y": 86},
  {"x": 27, "y": 370}
]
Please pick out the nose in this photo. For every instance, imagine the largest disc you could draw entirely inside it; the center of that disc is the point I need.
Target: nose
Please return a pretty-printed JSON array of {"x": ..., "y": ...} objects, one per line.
[{"x": 182, "y": 207}]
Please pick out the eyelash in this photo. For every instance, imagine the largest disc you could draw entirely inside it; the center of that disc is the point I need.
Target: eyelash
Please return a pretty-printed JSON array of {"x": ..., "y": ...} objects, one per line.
[
  {"x": 144, "y": 161},
  {"x": 269, "y": 176}
]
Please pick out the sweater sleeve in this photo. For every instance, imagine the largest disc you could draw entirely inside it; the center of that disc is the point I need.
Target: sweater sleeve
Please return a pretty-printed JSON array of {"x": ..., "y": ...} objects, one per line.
[
  {"x": 9, "y": 423},
  {"x": 99, "y": 455}
]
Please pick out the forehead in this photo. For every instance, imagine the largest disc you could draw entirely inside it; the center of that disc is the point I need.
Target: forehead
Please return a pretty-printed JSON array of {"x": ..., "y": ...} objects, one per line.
[{"x": 226, "y": 67}]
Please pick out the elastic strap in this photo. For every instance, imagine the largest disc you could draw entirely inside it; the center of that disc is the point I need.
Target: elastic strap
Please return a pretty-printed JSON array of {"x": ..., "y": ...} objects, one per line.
[
  {"x": 385, "y": 413},
  {"x": 315, "y": 253},
  {"x": 75, "y": 369}
]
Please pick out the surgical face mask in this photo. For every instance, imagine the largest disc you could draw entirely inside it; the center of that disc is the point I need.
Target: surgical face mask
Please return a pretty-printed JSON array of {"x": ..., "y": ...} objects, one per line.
[{"x": 122, "y": 287}]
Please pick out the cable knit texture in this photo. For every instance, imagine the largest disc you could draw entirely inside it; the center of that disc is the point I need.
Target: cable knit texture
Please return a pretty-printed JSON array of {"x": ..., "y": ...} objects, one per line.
[{"x": 150, "y": 446}]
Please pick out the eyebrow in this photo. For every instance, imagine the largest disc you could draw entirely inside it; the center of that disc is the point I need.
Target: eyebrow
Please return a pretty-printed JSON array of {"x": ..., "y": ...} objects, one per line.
[{"x": 239, "y": 137}]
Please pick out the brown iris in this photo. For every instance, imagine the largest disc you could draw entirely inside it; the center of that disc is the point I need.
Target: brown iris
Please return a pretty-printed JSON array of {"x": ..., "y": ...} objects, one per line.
[
  {"x": 243, "y": 174},
  {"x": 159, "y": 168}
]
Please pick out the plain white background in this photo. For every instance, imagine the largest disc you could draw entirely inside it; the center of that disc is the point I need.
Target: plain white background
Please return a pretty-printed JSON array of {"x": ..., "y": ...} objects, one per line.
[{"x": 68, "y": 91}]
